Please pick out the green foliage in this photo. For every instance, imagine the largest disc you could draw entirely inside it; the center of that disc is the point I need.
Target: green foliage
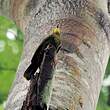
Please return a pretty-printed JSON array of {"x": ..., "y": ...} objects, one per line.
[
  {"x": 102, "y": 102},
  {"x": 10, "y": 52},
  {"x": 1, "y": 107}
]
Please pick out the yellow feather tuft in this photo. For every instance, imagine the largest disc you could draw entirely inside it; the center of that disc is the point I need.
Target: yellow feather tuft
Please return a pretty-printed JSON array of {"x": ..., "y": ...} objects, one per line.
[{"x": 56, "y": 30}]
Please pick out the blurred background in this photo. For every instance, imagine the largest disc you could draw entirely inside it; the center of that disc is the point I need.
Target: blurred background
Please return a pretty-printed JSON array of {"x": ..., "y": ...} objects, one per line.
[{"x": 11, "y": 45}]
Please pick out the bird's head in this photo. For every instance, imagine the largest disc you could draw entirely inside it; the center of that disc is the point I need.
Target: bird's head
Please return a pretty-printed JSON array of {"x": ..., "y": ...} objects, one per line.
[{"x": 56, "y": 31}]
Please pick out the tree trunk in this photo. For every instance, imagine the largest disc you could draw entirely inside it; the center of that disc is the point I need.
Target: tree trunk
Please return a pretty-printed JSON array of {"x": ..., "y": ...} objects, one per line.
[{"x": 79, "y": 72}]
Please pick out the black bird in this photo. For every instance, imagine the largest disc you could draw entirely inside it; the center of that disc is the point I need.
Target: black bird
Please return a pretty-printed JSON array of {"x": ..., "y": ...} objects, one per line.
[{"x": 55, "y": 40}]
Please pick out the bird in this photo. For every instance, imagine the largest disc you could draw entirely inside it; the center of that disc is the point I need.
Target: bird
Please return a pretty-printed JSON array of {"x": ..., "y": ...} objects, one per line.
[{"x": 54, "y": 39}]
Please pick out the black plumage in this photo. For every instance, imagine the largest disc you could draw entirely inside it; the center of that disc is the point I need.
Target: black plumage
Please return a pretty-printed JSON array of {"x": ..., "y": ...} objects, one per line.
[{"x": 37, "y": 58}]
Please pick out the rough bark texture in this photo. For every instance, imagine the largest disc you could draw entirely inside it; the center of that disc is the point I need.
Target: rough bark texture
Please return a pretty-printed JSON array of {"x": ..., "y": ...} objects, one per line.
[
  {"x": 79, "y": 73},
  {"x": 40, "y": 89}
]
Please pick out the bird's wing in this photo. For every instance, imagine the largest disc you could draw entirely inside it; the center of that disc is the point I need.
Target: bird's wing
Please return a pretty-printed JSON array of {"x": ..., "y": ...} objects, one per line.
[{"x": 40, "y": 50}]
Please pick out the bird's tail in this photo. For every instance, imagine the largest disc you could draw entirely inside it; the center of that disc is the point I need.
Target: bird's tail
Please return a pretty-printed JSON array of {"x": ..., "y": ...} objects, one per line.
[{"x": 29, "y": 73}]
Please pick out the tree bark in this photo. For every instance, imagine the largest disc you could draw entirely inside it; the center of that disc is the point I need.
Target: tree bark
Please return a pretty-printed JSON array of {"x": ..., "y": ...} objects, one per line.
[{"x": 79, "y": 72}]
